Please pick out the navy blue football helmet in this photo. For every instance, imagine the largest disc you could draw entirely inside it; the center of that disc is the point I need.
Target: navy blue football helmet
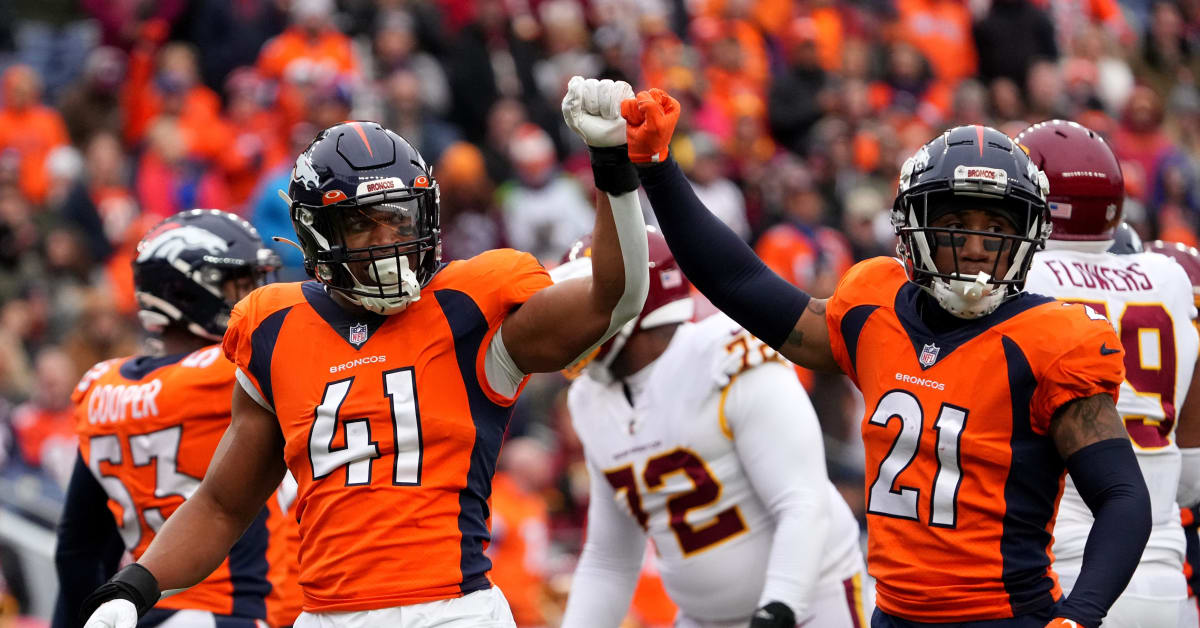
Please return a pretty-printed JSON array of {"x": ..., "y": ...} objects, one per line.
[
  {"x": 356, "y": 181},
  {"x": 963, "y": 164},
  {"x": 184, "y": 263}
]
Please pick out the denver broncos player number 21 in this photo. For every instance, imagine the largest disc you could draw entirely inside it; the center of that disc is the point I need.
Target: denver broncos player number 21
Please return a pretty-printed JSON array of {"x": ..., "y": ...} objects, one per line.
[
  {"x": 978, "y": 394},
  {"x": 385, "y": 386}
]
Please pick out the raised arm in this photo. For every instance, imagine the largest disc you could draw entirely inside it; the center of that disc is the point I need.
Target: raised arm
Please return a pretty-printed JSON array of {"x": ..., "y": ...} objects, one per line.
[
  {"x": 1091, "y": 437},
  {"x": 247, "y": 466},
  {"x": 712, "y": 256},
  {"x": 567, "y": 320}
]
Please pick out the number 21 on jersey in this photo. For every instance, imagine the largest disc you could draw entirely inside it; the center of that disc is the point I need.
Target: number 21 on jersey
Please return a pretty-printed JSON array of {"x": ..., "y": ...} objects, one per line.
[{"x": 882, "y": 498}]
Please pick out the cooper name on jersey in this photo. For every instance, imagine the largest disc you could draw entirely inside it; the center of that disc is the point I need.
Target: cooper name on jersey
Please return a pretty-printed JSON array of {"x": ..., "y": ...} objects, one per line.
[
  {"x": 1085, "y": 275},
  {"x": 112, "y": 404}
]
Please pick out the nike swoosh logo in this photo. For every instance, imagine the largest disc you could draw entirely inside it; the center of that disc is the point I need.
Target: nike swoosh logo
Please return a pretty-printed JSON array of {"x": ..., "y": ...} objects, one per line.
[{"x": 1104, "y": 350}]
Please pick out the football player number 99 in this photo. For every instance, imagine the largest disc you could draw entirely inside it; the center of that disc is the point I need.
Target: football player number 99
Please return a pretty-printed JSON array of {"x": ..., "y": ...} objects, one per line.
[
  {"x": 705, "y": 490},
  {"x": 360, "y": 449},
  {"x": 1148, "y": 335}
]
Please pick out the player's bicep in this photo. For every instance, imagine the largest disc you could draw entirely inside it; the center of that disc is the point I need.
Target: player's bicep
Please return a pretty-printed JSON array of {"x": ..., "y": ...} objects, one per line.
[
  {"x": 248, "y": 463},
  {"x": 808, "y": 344},
  {"x": 1084, "y": 421},
  {"x": 555, "y": 326}
]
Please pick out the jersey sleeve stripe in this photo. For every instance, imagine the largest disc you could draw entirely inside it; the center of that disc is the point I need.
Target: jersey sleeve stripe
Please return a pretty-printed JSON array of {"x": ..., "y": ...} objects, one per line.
[
  {"x": 721, "y": 418},
  {"x": 248, "y": 385},
  {"x": 248, "y": 570},
  {"x": 852, "y": 326},
  {"x": 469, "y": 327},
  {"x": 262, "y": 349},
  {"x": 1030, "y": 495}
]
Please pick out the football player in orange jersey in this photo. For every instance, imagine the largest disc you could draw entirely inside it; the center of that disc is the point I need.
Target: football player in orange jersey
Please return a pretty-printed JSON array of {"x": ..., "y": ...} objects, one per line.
[
  {"x": 386, "y": 384},
  {"x": 148, "y": 426},
  {"x": 978, "y": 395}
]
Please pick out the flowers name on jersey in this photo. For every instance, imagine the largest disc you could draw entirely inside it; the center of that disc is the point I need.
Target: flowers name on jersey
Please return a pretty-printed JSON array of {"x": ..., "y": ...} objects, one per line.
[
  {"x": 929, "y": 354},
  {"x": 358, "y": 334}
]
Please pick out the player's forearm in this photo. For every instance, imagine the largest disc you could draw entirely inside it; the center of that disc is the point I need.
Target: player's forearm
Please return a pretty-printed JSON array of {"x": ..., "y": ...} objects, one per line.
[
  {"x": 601, "y": 590},
  {"x": 718, "y": 262},
  {"x": 193, "y": 542},
  {"x": 1111, "y": 484},
  {"x": 620, "y": 259}
]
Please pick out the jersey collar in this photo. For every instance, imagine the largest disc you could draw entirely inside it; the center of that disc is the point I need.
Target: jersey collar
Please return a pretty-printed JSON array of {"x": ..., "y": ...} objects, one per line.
[{"x": 933, "y": 344}]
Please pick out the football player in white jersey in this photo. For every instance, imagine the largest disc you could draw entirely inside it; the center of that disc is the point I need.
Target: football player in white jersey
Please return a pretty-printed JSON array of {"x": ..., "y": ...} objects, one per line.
[
  {"x": 699, "y": 436},
  {"x": 1187, "y": 436},
  {"x": 1148, "y": 299}
]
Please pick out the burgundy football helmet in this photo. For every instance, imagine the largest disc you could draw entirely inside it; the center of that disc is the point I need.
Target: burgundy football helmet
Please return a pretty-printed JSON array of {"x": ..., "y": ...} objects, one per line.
[
  {"x": 668, "y": 302},
  {"x": 1087, "y": 189},
  {"x": 1187, "y": 256}
]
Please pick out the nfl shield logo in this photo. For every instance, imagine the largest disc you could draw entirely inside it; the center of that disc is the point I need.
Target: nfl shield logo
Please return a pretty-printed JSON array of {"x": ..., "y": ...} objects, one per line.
[
  {"x": 929, "y": 355},
  {"x": 358, "y": 335}
]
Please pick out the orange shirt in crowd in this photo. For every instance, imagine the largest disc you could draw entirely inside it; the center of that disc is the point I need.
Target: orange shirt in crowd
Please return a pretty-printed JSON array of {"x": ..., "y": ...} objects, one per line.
[
  {"x": 520, "y": 532},
  {"x": 39, "y": 431},
  {"x": 295, "y": 56},
  {"x": 32, "y": 132},
  {"x": 143, "y": 103},
  {"x": 941, "y": 31}
]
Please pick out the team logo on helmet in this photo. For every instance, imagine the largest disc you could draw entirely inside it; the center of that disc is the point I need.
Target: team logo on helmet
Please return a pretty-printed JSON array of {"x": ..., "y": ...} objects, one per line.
[
  {"x": 421, "y": 182},
  {"x": 929, "y": 354},
  {"x": 170, "y": 243},
  {"x": 333, "y": 196},
  {"x": 305, "y": 173},
  {"x": 358, "y": 334}
]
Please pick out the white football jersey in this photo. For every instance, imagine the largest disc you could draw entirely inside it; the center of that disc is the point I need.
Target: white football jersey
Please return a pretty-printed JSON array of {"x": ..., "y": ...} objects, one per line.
[
  {"x": 674, "y": 467},
  {"x": 1148, "y": 299}
]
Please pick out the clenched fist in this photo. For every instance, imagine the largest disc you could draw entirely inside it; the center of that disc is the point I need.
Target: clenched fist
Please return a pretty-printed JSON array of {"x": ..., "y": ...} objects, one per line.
[
  {"x": 650, "y": 122},
  {"x": 592, "y": 108}
]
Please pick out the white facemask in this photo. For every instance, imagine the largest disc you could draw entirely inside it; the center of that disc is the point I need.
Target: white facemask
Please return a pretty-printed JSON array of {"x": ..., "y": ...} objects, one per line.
[
  {"x": 969, "y": 297},
  {"x": 390, "y": 273}
]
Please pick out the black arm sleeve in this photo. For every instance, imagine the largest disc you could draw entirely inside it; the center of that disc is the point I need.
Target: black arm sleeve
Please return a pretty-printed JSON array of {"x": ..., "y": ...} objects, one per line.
[
  {"x": 89, "y": 546},
  {"x": 718, "y": 262},
  {"x": 1111, "y": 484}
]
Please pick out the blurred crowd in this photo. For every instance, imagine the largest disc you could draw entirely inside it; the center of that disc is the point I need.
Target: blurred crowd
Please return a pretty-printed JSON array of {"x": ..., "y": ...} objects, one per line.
[{"x": 796, "y": 117}]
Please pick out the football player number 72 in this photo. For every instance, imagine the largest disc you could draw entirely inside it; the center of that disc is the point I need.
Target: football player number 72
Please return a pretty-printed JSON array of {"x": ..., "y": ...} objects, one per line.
[{"x": 360, "y": 448}]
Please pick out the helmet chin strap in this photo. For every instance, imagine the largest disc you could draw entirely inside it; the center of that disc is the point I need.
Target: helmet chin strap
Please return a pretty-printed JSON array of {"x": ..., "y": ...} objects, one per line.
[{"x": 388, "y": 273}]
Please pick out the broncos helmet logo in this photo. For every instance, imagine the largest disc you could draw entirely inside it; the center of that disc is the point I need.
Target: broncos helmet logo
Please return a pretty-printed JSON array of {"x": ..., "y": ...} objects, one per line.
[
  {"x": 305, "y": 173},
  {"x": 171, "y": 243}
]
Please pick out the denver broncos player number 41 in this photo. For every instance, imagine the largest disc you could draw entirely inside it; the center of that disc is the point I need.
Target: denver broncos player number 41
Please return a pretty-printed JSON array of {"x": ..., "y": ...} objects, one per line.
[
  {"x": 385, "y": 385},
  {"x": 978, "y": 394}
]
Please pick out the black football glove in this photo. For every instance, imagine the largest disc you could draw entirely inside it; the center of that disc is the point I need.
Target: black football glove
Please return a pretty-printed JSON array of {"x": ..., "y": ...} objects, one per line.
[{"x": 774, "y": 615}]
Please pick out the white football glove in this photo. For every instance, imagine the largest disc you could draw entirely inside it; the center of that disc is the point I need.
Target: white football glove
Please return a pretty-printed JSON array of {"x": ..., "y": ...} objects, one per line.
[
  {"x": 118, "y": 613},
  {"x": 592, "y": 109}
]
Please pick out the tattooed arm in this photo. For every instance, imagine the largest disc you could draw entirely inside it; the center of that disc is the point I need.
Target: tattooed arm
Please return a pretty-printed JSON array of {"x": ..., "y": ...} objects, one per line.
[
  {"x": 1090, "y": 436},
  {"x": 1081, "y": 422},
  {"x": 808, "y": 343}
]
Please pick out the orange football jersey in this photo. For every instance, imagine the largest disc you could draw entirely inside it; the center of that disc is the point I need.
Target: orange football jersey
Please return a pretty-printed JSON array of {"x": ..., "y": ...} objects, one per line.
[
  {"x": 962, "y": 477},
  {"x": 391, "y": 429},
  {"x": 148, "y": 427}
]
